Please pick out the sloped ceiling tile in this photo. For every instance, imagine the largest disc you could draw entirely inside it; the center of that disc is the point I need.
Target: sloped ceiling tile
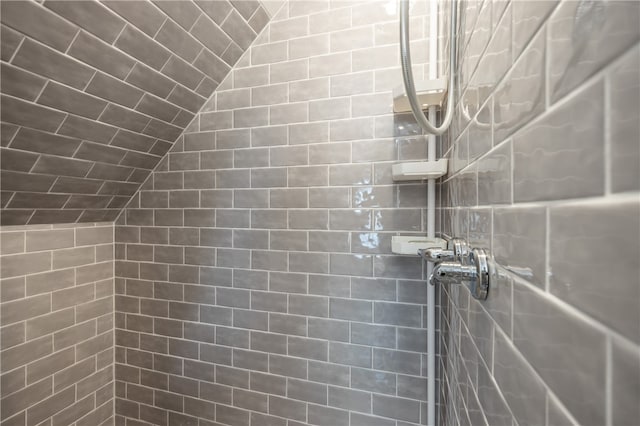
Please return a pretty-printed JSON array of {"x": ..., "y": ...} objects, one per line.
[{"x": 94, "y": 94}]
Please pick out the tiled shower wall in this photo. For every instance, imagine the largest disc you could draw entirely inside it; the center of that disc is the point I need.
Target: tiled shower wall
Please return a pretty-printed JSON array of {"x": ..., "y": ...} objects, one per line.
[
  {"x": 95, "y": 93},
  {"x": 545, "y": 172},
  {"x": 56, "y": 361},
  {"x": 255, "y": 282}
]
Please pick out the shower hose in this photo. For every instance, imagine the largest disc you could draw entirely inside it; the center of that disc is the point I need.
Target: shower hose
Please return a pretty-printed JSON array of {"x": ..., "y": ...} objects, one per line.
[{"x": 407, "y": 73}]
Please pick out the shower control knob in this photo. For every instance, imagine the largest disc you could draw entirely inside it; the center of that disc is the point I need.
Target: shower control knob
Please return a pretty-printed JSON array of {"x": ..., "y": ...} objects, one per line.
[
  {"x": 452, "y": 273},
  {"x": 475, "y": 271},
  {"x": 457, "y": 251},
  {"x": 437, "y": 255},
  {"x": 460, "y": 249},
  {"x": 485, "y": 271}
]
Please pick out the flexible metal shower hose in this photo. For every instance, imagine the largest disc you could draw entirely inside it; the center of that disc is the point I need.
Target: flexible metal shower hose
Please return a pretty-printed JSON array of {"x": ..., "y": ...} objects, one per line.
[{"x": 407, "y": 73}]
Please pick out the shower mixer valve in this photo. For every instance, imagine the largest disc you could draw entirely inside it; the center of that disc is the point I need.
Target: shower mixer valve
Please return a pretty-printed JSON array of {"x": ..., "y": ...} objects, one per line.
[
  {"x": 460, "y": 264},
  {"x": 457, "y": 249}
]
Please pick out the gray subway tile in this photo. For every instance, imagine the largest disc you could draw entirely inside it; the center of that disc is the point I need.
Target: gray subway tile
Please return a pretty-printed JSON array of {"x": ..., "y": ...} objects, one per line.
[
  {"x": 373, "y": 289},
  {"x": 308, "y": 133},
  {"x": 328, "y": 329},
  {"x": 397, "y": 314},
  {"x": 625, "y": 92},
  {"x": 412, "y": 387},
  {"x": 266, "y": 301},
  {"x": 10, "y": 42},
  {"x": 329, "y": 373},
  {"x": 396, "y": 361},
  {"x": 524, "y": 86},
  {"x": 351, "y": 264},
  {"x": 373, "y": 335},
  {"x": 150, "y": 80},
  {"x": 327, "y": 416},
  {"x": 26, "y": 114},
  {"x": 512, "y": 373},
  {"x": 532, "y": 313},
  {"x": 353, "y": 310},
  {"x": 308, "y": 219},
  {"x": 567, "y": 225},
  {"x": 625, "y": 378},
  {"x": 349, "y": 399},
  {"x": 307, "y": 391},
  {"x": 17, "y": 160},
  {"x": 29, "y": 396},
  {"x": 519, "y": 242},
  {"x": 143, "y": 15},
  {"x": 25, "y": 264},
  {"x": 287, "y": 408},
  {"x": 364, "y": 420},
  {"x": 347, "y": 354},
  {"x": 307, "y": 348},
  {"x": 287, "y": 324},
  {"x": 40, "y": 23},
  {"x": 567, "y": 56},
  {"x": 399, "y": 408},
  {"x": 287, "y": 366},
  {"x": 92, "y": 17},
  {"x": 493, "y": 405},
  {"x": 308, "y": 305},
  {"x": 494, "y": 177},
  {"x": 552, "y": 178},
  {"x": 267, "y": 383},
  {"x": 20, "y": 83},
  {"x": 23, "y": 354}
]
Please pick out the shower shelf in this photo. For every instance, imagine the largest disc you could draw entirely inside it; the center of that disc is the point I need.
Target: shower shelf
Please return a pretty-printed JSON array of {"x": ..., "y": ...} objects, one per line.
[
  {"x": 419, "y": 170},
  {"x": 430, "y": 93},
  {"x": 401, "y": 244}
]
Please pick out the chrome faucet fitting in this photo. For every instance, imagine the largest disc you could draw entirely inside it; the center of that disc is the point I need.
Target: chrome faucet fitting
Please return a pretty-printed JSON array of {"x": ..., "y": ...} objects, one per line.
[
  {"x": 437, "y": 255},
  {"x": 456, "y": 250},
  {"x": 461, "y": 265},
  {"x": 452, "y": 273}
]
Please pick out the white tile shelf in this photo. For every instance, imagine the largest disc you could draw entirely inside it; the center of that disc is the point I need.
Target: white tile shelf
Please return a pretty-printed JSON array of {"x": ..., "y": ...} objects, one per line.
[
  {"x": 419, "y": 170},
  {"x": 401, "y": 244}
]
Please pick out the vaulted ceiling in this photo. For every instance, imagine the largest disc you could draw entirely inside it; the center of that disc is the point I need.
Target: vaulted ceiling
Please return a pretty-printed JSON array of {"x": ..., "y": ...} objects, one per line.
[{"x": 95, "y": 93}]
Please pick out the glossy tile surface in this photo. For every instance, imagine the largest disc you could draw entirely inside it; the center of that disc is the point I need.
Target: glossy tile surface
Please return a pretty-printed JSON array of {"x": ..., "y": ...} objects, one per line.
[
  {"x": 57, "y": 328},
  {"x": 625, "y": 130},
  {"x": 265, "y": 236},
  {"x": 585, "y": 266},
  {"x": 576, "y": 169},
  {"x": 625, "y": 382},
  {"x": 129, "y": 77},
  {"x": 573, "y": 55},
  {"x": 573, "y": 354},
  {"x": 519, "y": 242},
  {"x": 549, "y": 186}
]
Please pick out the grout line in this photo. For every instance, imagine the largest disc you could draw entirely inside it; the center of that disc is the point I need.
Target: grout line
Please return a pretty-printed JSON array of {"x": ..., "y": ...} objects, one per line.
[
  {"x": 547, "y": 251},
  {"x": 18, "y": 47},
  {"x": 570, "y": 310},
  {"x": 608, "y": 383},
  {"x": 166, "y": 19},
  {"x": 79, "y": 30},
  {"x": 66, "y": 55},
  {"x": 547, "y": 69},
  {"x": 607, "y": 157}
]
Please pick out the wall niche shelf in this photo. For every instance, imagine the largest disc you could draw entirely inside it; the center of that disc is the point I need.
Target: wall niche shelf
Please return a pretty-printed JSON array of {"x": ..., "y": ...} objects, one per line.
[
  {"x": 419, "y": 170},
  {"x": 401, "y": 244},
  {"x": 430, "y": 93}
]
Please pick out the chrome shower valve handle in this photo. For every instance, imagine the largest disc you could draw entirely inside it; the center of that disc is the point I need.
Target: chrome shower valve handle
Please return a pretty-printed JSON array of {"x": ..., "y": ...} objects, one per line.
[
  {"x": 484, "y": 270},
  {"x": 437, "y": 255},
  {"x": 456, "y": 251},
  {"x": 461, "y": 265},
  {"x": 452, "y": 273}
]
